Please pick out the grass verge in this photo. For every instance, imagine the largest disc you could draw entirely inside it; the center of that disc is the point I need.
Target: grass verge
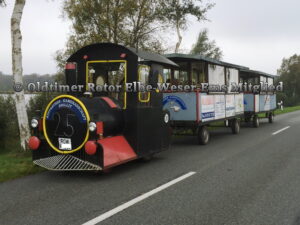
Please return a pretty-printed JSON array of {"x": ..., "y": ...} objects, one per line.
[
  {"x": 287, "y": 110},
  {"x": 14, "y": 165}
]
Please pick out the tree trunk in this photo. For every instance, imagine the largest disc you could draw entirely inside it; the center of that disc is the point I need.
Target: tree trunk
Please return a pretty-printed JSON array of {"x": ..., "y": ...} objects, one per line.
[
  {"x": 16, "y": 39},
  {"x": 179, "y": 38}
]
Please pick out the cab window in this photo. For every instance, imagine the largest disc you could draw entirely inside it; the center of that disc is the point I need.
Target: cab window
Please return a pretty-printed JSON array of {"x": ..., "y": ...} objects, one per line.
[
  {"x": 143, "y": 74},
  {"x": 110, "y": 73}
]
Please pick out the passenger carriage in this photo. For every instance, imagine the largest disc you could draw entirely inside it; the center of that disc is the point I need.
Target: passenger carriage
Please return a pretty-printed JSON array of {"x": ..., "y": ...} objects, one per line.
[
  {"x": 262, "y": 101},
  {"x": 196, "y": 110}
]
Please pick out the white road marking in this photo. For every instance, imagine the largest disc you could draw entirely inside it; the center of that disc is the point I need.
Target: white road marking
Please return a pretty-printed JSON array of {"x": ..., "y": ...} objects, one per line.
[
  {"x": 126, "y": 205},
  {"x": 277, "y": 132}
]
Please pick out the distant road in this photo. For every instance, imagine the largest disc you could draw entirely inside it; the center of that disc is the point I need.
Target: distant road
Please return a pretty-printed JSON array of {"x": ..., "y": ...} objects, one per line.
[{"x": 250, "y": 178}]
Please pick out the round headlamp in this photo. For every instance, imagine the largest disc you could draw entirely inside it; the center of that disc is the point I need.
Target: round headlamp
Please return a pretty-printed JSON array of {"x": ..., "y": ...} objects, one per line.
[
  {"x": 34, "y": 123},
  {"x": 92, "y": 126}
]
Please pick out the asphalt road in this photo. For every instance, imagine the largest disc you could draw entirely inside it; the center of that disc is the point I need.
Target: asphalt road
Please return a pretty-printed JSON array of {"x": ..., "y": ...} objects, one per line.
[{"x": 250, "y": 178}]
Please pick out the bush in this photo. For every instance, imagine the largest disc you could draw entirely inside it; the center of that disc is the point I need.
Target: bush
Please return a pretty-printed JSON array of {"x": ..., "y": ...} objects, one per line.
[
  {"x": 9, "y": 131},
  {"x": 3, "y": 125},
  {"x": 38, "y": 104}
]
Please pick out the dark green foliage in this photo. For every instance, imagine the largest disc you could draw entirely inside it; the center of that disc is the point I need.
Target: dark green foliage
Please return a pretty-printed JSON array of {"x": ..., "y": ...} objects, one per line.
[
  {"x": 3, "y": 125},
  {"x": 176, "y": 12},
  {"x": 205, "y": 47},
  {"x": 9, "y": 131},
  {"x": 38, "y": 104},
  {"x": 2, "y": 3},
  {"x": 290, "y": 76}
]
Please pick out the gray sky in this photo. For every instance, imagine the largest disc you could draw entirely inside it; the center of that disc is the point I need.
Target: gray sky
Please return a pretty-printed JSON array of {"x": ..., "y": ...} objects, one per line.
[{"x": 257, "y": 34}]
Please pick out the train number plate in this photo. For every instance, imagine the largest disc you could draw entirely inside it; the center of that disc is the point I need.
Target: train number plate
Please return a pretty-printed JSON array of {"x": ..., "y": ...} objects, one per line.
[{"x": 65, "y": 143}]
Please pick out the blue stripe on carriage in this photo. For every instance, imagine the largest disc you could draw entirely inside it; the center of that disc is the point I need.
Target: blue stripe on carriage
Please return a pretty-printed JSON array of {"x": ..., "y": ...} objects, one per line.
[{"x": 176, "y": 99}]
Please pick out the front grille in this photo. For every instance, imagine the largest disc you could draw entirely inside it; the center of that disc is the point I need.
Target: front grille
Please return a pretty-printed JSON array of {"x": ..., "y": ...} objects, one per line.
[{"x": 65, "y": 162}]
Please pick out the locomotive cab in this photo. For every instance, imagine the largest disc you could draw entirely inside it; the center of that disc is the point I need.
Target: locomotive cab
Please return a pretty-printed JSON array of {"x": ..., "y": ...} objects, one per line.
[{"x": 104, "y": 120}]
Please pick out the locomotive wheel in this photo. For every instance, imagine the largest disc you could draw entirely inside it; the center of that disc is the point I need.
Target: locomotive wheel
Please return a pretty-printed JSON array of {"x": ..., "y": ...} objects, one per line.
[
  {"x": 235, "y": 126},
  {"x": 203, "y": 135},
  {"x": 271, "y": 118},
  {"x": 166, "y": 116},
  {"x": 255, "y": 121}
]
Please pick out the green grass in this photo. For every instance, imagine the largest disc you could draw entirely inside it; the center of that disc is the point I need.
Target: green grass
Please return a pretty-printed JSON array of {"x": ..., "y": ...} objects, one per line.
[
  {"x": 14, "y": 165},
  {"x": 287, "y": 110}
]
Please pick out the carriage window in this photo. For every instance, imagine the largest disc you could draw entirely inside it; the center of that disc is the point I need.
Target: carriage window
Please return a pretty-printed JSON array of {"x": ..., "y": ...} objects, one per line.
[
  {"x": 108, "y": 73},
  {"x": 202, "y": 78},
  {"x": 180, "y": 77},
  {"x": 251, "y": 81},
  {"x": 144, "y": 72},
  {"x": 195, "y": 76},
  {"x": 176, "y": 77},
  {"x": 183, "y": 77},
  {"x": 198, "y": 75},
  {"x": 167, "y": 75},
  {"x": 241, "y": 80}
]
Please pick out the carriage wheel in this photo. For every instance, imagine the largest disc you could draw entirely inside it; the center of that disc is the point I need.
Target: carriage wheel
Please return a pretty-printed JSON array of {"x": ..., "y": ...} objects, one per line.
[
  {"x": 247, "y": 119},
  {"x": 255, "y": 121},
  {"x": 271, "y": 117},
  {"x": 203, "y": 135},
  {"x": 235, "y": 126}
]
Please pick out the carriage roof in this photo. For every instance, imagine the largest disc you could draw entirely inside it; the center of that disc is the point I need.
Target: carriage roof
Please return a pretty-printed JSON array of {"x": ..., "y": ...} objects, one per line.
[
  {"x": 203, "y": 58},
  {"x": 153, "y": 57},
  {"x": 255, "y": 72}
]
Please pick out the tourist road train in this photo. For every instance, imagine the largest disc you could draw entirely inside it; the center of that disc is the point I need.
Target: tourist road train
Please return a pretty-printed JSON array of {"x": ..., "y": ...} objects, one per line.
[{"x": 97, "y": 130}]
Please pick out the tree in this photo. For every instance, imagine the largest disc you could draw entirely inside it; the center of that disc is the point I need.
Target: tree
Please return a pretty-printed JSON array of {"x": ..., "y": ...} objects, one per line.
[
  {"x": 289, "y": 74},
  {"x": 176, "y": 12},
  {"x": 8, "y": 123},
  {"x": 205, "y": 47},
  {"x": 129, "y": 22},
  {"x": 16, "y": 39},
  {"x": 2, "y": 3}
]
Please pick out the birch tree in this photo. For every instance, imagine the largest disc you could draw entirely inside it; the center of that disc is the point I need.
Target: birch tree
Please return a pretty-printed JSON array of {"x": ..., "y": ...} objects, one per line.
[
  {"x": 176, "y": 13},
  {"x": 206, "y": 47},
  {"x": 16, "y": 40}
]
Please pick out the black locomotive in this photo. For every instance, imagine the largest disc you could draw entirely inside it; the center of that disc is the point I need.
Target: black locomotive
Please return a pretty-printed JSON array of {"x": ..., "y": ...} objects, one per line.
[{"x": 99, "y": 129}]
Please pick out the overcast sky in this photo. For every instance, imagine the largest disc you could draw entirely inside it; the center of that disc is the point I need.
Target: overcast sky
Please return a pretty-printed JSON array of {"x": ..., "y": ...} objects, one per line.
[{"x": 256, "y": 33}]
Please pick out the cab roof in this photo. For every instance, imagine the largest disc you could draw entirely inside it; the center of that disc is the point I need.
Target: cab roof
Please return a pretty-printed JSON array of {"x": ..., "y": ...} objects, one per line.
[{"x": 153, "y": 57}]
